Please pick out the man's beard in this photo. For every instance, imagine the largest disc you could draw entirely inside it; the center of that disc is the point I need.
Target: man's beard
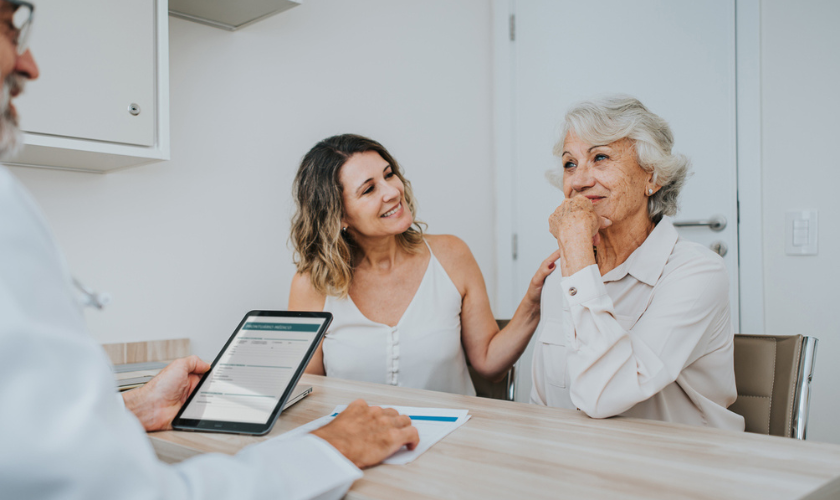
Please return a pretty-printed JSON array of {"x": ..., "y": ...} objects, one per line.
[{"x": 11, "y": 138}]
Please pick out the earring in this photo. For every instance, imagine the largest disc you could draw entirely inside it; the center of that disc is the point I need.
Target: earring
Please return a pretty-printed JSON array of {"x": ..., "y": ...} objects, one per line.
[
  {"x": 344, "y": 229},
  {"x": 650, "y": 192}
]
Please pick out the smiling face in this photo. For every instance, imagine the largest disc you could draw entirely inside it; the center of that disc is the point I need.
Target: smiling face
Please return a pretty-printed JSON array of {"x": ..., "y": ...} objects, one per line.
[
  {"x": 609, "y": 176},
  {"x": 374, "y": 197}
]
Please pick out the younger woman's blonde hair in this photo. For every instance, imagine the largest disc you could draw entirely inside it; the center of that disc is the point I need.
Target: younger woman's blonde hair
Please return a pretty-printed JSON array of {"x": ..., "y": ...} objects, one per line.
[{"x": 321, "y": 248}]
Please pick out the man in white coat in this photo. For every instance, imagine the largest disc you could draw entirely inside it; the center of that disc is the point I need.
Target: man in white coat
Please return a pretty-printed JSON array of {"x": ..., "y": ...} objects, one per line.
[{"x": 64, "y": 433}]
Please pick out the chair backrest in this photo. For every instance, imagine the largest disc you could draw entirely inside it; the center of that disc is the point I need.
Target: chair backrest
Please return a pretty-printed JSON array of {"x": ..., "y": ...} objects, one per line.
[
  {"x": 504, "y": 389},
  {"x": 772, "y": 376}
]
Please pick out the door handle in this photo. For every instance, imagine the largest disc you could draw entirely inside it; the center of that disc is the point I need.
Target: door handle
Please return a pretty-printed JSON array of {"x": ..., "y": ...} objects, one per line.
[{"x": 716, "y": 223}]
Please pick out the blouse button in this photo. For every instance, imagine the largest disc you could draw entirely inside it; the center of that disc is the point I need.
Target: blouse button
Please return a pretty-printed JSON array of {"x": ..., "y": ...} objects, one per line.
[{"x": 572, "y": 291}]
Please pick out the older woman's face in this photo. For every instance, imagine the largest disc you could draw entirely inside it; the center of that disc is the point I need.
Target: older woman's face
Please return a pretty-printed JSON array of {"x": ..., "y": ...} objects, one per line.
[
  {"x": 609, "y": 176},
  {"x": 374, "y": 197}
]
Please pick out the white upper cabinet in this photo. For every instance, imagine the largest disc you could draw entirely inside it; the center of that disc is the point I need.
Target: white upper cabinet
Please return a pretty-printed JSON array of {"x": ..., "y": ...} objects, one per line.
[
  {"x": 102, "y": 100},
  {"x": 228, "y": 15}
]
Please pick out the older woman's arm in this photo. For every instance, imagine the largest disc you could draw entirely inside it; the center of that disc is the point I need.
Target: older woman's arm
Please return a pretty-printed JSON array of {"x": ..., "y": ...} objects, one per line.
[{"x": 612, "y": 369}]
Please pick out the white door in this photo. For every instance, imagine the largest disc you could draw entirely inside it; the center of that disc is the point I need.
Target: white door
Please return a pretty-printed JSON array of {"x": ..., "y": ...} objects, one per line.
[{"x": 676, "y": 56}]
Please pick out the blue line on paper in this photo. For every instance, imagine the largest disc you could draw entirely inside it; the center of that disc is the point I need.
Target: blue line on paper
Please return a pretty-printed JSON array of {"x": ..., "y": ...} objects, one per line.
[{"x": 425, "y": 417}]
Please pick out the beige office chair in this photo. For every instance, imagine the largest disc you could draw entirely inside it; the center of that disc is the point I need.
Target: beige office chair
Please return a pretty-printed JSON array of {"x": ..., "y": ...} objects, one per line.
[
  {"x": 504, "y": 389},
  {"x": 773, "y": 376}
]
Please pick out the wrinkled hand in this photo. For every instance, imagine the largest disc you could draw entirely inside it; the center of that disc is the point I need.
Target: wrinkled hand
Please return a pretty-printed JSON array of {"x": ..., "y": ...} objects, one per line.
[
  {"x": 575, "y": 225},
  {"x": 576, "y": 218},
  {"x": 367, "y": 435},
  {"x": 157, "y": 402}
]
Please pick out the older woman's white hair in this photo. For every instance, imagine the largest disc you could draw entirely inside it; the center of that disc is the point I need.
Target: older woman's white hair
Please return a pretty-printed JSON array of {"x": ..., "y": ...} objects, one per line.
[{"x": 612, "y": 118}]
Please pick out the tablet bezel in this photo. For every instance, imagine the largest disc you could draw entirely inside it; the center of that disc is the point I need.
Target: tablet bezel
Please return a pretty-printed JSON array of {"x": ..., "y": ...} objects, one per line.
[{"x": 184, "y": 424}]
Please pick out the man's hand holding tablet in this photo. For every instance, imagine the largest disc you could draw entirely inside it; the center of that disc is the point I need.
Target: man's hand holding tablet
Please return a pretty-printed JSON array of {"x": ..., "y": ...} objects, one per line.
[
  {"x": 366, "y": 435},
  {"x": 157, "y": 402},
  {"x": 255, "y": 373}
]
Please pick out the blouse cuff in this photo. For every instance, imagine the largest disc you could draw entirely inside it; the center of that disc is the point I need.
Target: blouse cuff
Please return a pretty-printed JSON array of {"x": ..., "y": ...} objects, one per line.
[{"x": 583, "y": 286}]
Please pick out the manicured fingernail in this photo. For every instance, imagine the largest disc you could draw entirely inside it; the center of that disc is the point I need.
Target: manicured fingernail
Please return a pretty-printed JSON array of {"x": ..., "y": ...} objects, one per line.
[{"x": 551, "y": 266}]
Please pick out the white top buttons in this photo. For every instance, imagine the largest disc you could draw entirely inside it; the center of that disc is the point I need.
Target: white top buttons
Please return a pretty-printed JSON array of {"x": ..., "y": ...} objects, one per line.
[{"x": 422, "y": 351}]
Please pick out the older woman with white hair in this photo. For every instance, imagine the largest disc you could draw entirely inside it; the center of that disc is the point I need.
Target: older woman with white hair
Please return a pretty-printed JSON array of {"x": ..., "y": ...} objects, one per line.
[{"x": 636, "y": 323}]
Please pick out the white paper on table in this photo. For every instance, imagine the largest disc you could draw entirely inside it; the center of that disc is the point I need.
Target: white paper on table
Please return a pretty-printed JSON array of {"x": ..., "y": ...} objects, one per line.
[{"x": 433, "y": 424}]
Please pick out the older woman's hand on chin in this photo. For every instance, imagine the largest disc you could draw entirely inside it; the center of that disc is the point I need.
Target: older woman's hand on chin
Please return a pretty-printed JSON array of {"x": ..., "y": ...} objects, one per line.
[{"x": 575, "y": 225}]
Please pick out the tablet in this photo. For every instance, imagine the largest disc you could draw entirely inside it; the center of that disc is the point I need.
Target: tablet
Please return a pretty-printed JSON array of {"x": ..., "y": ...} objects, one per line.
[{"x": 254, "y": 376}]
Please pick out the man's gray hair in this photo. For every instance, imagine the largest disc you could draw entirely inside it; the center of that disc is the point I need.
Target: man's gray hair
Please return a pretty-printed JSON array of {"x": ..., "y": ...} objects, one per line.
[
  {"x": 11, "y": 138},
  {"x": 612, "y": 118}
]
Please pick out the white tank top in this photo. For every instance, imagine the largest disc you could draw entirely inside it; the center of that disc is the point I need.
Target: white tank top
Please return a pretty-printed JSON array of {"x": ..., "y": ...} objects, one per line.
[{"x": 423, "y": 351}]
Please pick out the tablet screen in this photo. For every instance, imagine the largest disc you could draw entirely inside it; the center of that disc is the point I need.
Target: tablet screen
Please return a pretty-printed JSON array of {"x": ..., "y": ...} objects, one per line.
[{"x": 251, "y": 375}]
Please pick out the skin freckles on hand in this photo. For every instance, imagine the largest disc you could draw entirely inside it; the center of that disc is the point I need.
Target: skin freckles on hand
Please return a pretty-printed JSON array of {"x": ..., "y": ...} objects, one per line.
[
  {"x": 575, "y": 225},
  {"x": 573, "y": 219}
]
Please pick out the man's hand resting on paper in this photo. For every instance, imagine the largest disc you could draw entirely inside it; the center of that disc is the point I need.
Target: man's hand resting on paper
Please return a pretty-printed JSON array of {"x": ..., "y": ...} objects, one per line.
[
  {"x": 157, "y": 402},
  {"x": 367, "y": 435}
]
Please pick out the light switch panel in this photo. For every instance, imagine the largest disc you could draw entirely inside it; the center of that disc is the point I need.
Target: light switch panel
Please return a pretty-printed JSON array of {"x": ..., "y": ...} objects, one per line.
[{"x": 801, "y": 232}]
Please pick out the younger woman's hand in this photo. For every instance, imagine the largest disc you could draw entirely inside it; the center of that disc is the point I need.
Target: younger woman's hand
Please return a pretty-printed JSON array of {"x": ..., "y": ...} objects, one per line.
[{"x": 535, "y": 287}]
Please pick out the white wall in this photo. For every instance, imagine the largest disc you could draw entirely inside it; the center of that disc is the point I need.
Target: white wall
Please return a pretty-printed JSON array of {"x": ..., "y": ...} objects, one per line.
[
  {"x": 800, "y": 132},
  {"x": 187, "y": 246}
]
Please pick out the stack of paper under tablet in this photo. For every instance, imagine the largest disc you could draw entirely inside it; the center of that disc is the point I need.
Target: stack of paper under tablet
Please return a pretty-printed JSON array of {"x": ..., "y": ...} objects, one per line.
[
  {"x": 133, "y": 375},
  {"x": 433, "y": 424}
]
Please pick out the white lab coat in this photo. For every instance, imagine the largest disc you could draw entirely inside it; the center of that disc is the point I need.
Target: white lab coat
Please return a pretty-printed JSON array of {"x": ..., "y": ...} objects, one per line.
[{"x": 63, "y": 432}]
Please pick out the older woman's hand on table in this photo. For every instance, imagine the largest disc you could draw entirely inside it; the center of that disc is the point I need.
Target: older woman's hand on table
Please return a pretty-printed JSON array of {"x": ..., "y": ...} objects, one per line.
[{"x": 575, "y": 225}]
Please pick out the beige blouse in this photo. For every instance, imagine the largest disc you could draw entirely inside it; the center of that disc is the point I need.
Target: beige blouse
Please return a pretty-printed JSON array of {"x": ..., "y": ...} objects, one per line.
[{"x": 651, "y": 339}]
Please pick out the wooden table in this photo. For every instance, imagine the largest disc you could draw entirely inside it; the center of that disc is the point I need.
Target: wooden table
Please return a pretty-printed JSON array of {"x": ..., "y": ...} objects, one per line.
[{"x": 515, "y": 450}]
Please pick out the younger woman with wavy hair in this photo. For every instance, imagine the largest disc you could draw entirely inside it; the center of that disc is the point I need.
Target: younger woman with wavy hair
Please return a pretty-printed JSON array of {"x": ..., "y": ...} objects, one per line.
[{"x": 406, "y": 305}]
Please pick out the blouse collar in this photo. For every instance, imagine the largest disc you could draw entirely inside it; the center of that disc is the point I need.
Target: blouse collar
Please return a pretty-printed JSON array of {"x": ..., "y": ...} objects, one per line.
[{"x": 647, "y": 262}]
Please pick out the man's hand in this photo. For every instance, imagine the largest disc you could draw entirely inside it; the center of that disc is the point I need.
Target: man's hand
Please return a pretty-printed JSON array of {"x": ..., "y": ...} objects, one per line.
[
  {"x": 367, "y": 435},
  {"x": 156, "y": 403}
]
